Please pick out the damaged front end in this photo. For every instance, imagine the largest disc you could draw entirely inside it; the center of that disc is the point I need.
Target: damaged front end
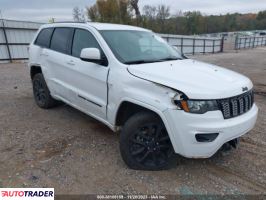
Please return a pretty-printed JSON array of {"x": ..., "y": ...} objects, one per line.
[{"x": 228, "y": 146}]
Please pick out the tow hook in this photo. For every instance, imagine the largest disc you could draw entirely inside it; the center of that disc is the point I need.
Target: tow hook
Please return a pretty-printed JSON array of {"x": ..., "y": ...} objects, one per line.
[
  {"x": 229, "y": 145},
  {"x": 234, "y": 142}
]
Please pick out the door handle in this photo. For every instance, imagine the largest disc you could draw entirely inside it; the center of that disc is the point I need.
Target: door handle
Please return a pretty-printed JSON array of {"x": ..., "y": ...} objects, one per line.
[
  {"x": 71, "y": 62},
  {"x": 44, "y": 54}
]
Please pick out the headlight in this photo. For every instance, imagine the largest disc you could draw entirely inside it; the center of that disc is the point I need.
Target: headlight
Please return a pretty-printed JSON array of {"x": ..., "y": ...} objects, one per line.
[
  {"x": 194, "y": 106},
  {"x": 199, "y": 107}
]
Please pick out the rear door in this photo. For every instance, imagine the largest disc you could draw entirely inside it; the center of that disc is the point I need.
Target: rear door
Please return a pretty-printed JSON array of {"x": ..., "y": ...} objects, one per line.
[
  {"x": 60, "y": 71},
  {"x": 38, "y": 51},
  {"x": 88, "y": 80}
]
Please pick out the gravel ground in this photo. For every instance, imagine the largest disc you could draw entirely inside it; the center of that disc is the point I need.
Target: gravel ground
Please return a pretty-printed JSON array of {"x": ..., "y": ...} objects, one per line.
[{"x": 65, "y": 149}]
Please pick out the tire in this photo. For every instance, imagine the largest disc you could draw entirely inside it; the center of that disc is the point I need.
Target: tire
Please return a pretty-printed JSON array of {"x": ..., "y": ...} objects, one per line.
[
  {"x": 145, "y": 144},
  {"x": 41, "y": 93}
]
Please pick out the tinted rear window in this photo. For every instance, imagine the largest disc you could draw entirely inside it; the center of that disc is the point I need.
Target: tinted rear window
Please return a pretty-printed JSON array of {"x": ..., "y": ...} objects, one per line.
[
  {"x": 44, "y": 37},
  {"x": 60, "y": 40}
]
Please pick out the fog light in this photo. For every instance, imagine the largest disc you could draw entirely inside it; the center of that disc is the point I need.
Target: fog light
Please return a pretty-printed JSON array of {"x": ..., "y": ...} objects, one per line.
[{"x": 206, "y": 137}]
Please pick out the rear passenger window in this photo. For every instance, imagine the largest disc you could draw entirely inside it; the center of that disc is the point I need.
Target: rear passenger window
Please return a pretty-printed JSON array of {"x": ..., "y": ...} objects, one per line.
[
  {"x": 44, "y": 37},
  {"x": 60, "y": 40},
  {"x": 83, "y": 39}
]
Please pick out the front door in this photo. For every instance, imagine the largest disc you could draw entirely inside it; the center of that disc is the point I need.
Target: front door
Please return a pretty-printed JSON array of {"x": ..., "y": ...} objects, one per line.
[{"x": 88, "y": 80}]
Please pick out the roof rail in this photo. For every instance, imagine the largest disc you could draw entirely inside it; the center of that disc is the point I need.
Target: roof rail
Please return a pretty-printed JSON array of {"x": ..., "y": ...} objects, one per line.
[{"x": 69, "y": 22}]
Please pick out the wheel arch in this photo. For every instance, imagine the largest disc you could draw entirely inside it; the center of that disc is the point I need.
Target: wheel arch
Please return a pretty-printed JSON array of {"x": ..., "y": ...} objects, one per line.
[
  {"x": 35, "y": 69},
  {"x": 145, "y": 107},
  {"x": 127, "y": 108}
]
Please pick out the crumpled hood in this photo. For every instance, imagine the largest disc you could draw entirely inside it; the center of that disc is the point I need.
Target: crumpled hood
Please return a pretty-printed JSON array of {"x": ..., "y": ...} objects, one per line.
[{"x": 196, "y": 79}]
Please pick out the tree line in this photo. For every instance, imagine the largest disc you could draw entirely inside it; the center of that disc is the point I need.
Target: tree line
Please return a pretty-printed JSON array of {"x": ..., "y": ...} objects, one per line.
[{"x": 161, "y": 20}]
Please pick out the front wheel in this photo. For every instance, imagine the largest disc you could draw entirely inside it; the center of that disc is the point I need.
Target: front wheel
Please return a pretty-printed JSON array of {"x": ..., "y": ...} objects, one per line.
[{"x": 145, "y": 144}]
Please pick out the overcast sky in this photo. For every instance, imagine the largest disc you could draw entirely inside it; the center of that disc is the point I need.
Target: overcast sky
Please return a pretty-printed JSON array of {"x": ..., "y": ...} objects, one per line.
[{"x": 42, "y": 10}]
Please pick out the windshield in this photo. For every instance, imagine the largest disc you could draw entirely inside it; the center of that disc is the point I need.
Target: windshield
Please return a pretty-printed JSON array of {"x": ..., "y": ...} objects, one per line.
[{"x": 136, "y": 47}]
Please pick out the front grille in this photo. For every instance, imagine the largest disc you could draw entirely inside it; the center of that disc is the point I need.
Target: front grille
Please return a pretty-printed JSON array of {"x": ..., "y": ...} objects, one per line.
[{"x": 235, "y": 106}]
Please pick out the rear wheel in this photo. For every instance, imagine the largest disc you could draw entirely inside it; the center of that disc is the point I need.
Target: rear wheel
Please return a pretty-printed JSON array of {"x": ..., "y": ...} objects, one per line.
[
  {"x": 41, "y": 92},
  {"x": 145, "y": 144}
]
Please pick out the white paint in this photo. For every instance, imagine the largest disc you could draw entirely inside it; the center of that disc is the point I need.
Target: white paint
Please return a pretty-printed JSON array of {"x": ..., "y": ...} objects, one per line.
[
  {"x": 103, "y": 89},
  {"x": 90, "y": 54}
]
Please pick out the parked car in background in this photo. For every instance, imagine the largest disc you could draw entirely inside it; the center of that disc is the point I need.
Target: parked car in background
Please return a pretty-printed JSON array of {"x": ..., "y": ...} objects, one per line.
[{"x": 134, "y": 82}]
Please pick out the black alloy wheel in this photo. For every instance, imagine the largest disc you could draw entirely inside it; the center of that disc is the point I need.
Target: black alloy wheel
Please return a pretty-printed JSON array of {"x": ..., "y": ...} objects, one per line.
[{"x": 145, "y": 143}]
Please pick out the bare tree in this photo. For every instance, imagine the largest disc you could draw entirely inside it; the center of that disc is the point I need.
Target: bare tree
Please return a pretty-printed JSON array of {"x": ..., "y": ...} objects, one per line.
[
  {"x": 78, "y": 15},
  {"x": 149, "y": 17},
  {"x": 135, "y": 6},
  {"x": 150, "y": 12},
  {"x": 163, "y": 13},
  {"x": 93, "y": 13}
]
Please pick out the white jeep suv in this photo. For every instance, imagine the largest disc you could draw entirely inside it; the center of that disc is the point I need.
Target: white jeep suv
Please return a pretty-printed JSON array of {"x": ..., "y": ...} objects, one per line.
[{"x": 132, "y": 80}]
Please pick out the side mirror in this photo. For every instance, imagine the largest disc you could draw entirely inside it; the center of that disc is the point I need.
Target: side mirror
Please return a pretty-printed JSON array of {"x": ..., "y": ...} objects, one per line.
[{"x": 91, "y": 55}]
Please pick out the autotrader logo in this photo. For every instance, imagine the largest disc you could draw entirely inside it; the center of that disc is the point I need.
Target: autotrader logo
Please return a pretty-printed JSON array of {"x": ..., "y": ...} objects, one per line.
[{"x": 26, "y": 193}]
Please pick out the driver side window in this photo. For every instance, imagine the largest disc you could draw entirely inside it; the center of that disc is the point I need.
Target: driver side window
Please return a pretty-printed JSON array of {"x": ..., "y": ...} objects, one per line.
[{"x": 83, "y": 39}]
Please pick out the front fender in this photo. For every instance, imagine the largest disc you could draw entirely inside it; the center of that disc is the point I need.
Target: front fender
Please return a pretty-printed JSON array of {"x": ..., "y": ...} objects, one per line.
[{"x": 150, "y": 107}]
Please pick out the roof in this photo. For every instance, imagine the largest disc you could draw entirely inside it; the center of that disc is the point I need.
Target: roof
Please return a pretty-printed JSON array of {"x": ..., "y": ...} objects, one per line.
[
  {"x": 107, "y": 26},
  {"x": 98, "y": 26}
]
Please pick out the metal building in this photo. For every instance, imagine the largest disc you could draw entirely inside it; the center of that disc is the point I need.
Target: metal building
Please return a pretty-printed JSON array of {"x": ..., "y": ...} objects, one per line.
[{"x": 15, "y": 36}]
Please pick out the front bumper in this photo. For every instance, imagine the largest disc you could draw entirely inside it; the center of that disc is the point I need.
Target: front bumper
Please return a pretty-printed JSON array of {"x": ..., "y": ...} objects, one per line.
[{"x": 182, "y": 128}]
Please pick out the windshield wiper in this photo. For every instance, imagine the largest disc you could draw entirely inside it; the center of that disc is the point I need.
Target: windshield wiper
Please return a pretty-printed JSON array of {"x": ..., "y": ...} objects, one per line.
[
  {"x": 140, "y": 62},
  {"x": 151, "y": 61},
  {"x": 169, "y": 58}
]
